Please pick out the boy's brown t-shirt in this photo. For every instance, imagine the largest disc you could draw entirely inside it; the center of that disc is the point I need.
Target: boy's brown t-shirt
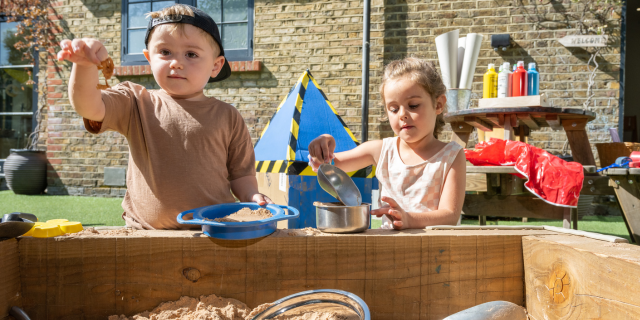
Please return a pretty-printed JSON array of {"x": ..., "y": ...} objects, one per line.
[{"x": 182, "y": 154}]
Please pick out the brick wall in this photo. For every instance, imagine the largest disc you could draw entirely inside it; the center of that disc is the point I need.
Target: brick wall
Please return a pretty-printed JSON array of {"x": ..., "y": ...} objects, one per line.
[{"x": 326, "y": 37}]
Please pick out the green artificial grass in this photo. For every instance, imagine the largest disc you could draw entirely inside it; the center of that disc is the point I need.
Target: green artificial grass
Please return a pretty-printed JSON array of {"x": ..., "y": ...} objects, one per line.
[
  {"x": 611, "y": 225},
  {"x": 90, "y": 211}
]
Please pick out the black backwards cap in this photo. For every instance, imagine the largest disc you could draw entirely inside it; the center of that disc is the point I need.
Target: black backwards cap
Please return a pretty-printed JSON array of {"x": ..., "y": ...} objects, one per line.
[{"x": 200, "y": 20}]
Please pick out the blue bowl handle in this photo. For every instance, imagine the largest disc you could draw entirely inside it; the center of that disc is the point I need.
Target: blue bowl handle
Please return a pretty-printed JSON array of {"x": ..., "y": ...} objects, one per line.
[
  {"x": 295, "y": 211},
  {"x": 182, "y": 221}
]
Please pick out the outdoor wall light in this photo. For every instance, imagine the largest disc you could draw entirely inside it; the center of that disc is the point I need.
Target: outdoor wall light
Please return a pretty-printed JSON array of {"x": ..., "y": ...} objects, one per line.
[{"x": 500, "y": 41}]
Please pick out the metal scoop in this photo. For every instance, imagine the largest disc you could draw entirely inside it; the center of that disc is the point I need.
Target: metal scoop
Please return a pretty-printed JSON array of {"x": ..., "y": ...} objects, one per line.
[{"x": 338, "y": 184}]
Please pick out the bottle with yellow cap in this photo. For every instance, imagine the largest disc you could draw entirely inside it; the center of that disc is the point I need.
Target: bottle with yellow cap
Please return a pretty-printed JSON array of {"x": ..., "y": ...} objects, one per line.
[{"x": 490, "y": 83}]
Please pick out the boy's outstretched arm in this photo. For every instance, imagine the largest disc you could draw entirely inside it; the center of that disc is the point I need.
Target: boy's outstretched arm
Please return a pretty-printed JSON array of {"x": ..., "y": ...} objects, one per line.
[
  {"x": 246, "y": 190},
  {"x": 86, "y": 55}
]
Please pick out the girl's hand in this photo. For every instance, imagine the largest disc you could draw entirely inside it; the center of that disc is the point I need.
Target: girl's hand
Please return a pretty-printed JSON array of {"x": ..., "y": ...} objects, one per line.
[
  {"x": 83, "y": 52},
  {"x": 321, "y": 151},
  {"x": 393, "y": 211},
  {"x": 261, "y": 199}
]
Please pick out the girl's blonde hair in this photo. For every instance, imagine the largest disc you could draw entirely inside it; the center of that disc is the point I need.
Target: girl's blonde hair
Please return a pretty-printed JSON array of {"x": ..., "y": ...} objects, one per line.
[
  {"x": 179, "y": 9},
  {"x": 423, "y": 73}
]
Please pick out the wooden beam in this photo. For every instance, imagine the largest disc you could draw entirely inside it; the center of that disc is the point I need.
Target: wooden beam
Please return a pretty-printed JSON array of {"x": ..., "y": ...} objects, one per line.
[
  {"x": 437, "y": 273},
  {"x": 528, "y": 120},
  {"x": 579, "y": 141},
  {"x": 497, "y": 119},
  {"x": 510, "y": 206},
  {"x": 572, "y": 277},
  {"x": 10, "y": 280},
  {"x": 478, "y": 123},
  {"x": 461, "y": 133},
  {"x": 553, "y": 121},
  {"x": 628, "y": 195}
]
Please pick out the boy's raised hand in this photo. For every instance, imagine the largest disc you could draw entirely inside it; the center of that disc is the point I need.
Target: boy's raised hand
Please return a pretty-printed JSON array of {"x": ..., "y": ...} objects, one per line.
[
  {"x": 394, "y": 212},
  {"x": 83, "y": 52},
  {"x": 321, "y": 151}
]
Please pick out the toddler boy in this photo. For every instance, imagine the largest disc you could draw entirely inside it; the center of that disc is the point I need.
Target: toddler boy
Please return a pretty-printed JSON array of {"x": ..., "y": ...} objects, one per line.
[{"x": 186, "y": 150}]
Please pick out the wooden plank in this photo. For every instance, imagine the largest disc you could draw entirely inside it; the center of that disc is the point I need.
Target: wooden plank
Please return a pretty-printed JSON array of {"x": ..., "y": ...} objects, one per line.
[
  {"x": 627, "y": 193},
  {"x": 528, "y": 120},
  {"x": 476, "y": 182},
  {"x": 461, "y": 133},
  {"x": 10, "y": 294},
  {"x": 496, "y": 119},
  {"x": 515, "y": 102},
  {"x": 553, "y": 121},
  {"x": 634, "y": 171},
  {"x": 478, "y": 123},
  {"x": 579, "y": 141},
  {"x": 571, "y": 277},
  {"x": 511, "y": 206},
  {"x": 491, "y": 169},
  {"x": 94, "y": 277}
]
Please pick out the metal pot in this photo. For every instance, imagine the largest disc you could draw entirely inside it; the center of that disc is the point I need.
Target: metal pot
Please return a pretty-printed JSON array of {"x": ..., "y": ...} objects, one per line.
[{"x": 334, "y": 217}]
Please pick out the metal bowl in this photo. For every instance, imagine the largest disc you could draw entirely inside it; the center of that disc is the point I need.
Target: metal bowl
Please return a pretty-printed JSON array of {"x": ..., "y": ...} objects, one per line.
[{"x": 334, "y": 217}]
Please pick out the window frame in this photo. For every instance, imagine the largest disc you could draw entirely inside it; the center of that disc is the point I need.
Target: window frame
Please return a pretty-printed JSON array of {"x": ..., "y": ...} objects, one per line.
[
  {"x": 35, "y": 69},
  {"x": 139, "y": 59}
]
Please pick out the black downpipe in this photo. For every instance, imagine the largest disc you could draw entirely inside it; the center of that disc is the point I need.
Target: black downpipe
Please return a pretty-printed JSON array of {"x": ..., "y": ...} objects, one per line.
[{"x": 365, "y": 70}]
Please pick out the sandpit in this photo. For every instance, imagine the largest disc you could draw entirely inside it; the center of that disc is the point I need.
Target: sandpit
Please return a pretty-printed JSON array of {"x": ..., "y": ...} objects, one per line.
[{"x": 218, "y": 308}]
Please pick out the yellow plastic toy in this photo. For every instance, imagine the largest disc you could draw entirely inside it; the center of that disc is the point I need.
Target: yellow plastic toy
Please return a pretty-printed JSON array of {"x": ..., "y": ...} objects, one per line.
[
  {"x": 71, "y": 227},
  {"x": 47, "y": 231}
]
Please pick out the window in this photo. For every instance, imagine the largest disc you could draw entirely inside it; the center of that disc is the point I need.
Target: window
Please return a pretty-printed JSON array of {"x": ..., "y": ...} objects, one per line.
[
  {"x": 234, "y": 19},
  {"x": 18, "y": 100}
]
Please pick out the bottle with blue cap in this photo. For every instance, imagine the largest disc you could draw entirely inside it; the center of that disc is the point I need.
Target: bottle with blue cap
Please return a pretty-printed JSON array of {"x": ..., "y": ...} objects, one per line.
[{"x": 533, "y": 80}]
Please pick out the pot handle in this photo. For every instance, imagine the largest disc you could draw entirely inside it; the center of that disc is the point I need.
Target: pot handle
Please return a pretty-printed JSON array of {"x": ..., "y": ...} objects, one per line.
[
  {"x": 182, "y": 221},
  {"x": 295, "y": 211}
]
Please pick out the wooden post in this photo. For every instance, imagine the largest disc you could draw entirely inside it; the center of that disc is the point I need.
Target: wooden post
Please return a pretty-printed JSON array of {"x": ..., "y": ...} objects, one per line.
[
  {"x": 566, "y": 218},
  {"x": 482, "y": 220},
  {"x": 628, "y": 195},
  {"x": 579, "y": 141},
  {"x": 461, "y": 133}
]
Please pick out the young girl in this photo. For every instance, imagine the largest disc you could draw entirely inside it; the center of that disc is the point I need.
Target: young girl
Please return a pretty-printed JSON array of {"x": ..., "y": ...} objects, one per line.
[{"x": 422, "y": 179}]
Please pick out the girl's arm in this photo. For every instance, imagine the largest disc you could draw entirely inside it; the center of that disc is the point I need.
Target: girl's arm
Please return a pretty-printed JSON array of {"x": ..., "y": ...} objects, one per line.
[
  {"x": 449, "y": 208},
  {"x": 321, "y": 151},
  {"x": 86, "y": 55}
]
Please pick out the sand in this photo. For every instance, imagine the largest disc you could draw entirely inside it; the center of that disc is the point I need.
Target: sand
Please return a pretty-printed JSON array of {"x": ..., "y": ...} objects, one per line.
[
  {"x": 246, "y": 214},
  {"x": 218, "y": 308},
  {"x": 93, "y": 232}
]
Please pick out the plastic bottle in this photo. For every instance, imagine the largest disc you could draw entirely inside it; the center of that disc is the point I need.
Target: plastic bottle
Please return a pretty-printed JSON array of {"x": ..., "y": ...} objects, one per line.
[
  {"x": 533, "y": 79},
  {"x": 490, "y": 83},
  {"x": 519, "y": 81},
  {"x": 503, "y": 80}
]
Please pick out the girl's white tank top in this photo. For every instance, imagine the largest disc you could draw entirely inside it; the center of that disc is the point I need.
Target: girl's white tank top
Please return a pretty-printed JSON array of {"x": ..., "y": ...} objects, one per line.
[{"x": 416, "y": 188}]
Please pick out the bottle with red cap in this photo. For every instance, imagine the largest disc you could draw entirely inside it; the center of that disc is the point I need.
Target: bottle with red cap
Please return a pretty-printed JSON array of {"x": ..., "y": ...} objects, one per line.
[{"x": 519, "y": 81}]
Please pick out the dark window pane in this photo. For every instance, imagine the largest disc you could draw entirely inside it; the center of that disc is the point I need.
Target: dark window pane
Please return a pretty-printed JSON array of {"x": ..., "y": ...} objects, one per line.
[
  {"x": 212, "y": 8},
  {"x": 137, "y": 14},
  {"x": 234, "y": 10},
  {"x": 15, "y": 96},
  {"x": 136, "y": 41},
  {"x": 161, "y": 5},
  {"x": 131, "y": 1},
  {"x": 234, "y": 36}
]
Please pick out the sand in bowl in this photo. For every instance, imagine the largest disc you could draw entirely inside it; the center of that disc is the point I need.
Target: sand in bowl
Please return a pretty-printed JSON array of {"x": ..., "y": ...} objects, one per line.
[
  {"x": 218, "y": 308},
  {"x": 246, "y": 214}
]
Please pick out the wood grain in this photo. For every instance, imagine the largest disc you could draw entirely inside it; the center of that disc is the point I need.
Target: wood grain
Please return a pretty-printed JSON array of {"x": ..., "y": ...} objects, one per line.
[
  {"x": 514, "y": 102},
  {"x": 10, "y": 280},
  {"x": 571, "y": 277},
  {"x": 510, "y": 206},
  {"x": 415, "y": 274}
]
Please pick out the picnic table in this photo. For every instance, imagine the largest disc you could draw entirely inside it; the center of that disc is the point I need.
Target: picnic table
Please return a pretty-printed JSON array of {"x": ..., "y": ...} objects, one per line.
[
  {"x": 522, "y": 120},
  {"x": 496, "y": 191}
]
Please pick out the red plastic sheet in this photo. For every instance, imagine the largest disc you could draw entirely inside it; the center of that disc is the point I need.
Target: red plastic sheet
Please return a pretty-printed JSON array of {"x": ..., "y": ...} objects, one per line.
[{"x": 552, "y": 179}]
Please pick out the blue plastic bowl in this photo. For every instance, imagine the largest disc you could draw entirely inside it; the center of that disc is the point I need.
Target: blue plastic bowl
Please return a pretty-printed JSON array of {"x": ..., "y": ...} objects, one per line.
[{"x": 237, "y": 230}]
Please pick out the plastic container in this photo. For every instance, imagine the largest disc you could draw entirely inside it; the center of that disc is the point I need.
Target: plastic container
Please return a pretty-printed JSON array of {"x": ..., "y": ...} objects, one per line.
[
  {"x": 204, "y": 216},
  {"x": 503, "y": 80},
  {"x": 490, "y": 83},
  {"x": 609, "y": 152},
  {"x": 519, "y": 81},
  {"x": 71, "y": 227},
  {"x": 533, "y": 80},
  {"x": 47, "y": 231}
]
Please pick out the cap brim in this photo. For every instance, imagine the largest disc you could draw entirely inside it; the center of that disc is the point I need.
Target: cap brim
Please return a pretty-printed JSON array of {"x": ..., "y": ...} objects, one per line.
[{"x": 225, "y": 72}]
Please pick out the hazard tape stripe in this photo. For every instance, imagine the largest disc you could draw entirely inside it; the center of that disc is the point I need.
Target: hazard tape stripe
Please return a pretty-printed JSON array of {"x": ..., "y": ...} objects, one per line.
[
  {"x": 295, "y": 120},
  {"x": 302, "y": 168},
  {"x": 334, "y": 110}
]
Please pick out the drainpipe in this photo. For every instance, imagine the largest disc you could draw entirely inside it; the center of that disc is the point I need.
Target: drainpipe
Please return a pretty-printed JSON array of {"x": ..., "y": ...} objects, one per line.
[{"x": 365, "y": 70}]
